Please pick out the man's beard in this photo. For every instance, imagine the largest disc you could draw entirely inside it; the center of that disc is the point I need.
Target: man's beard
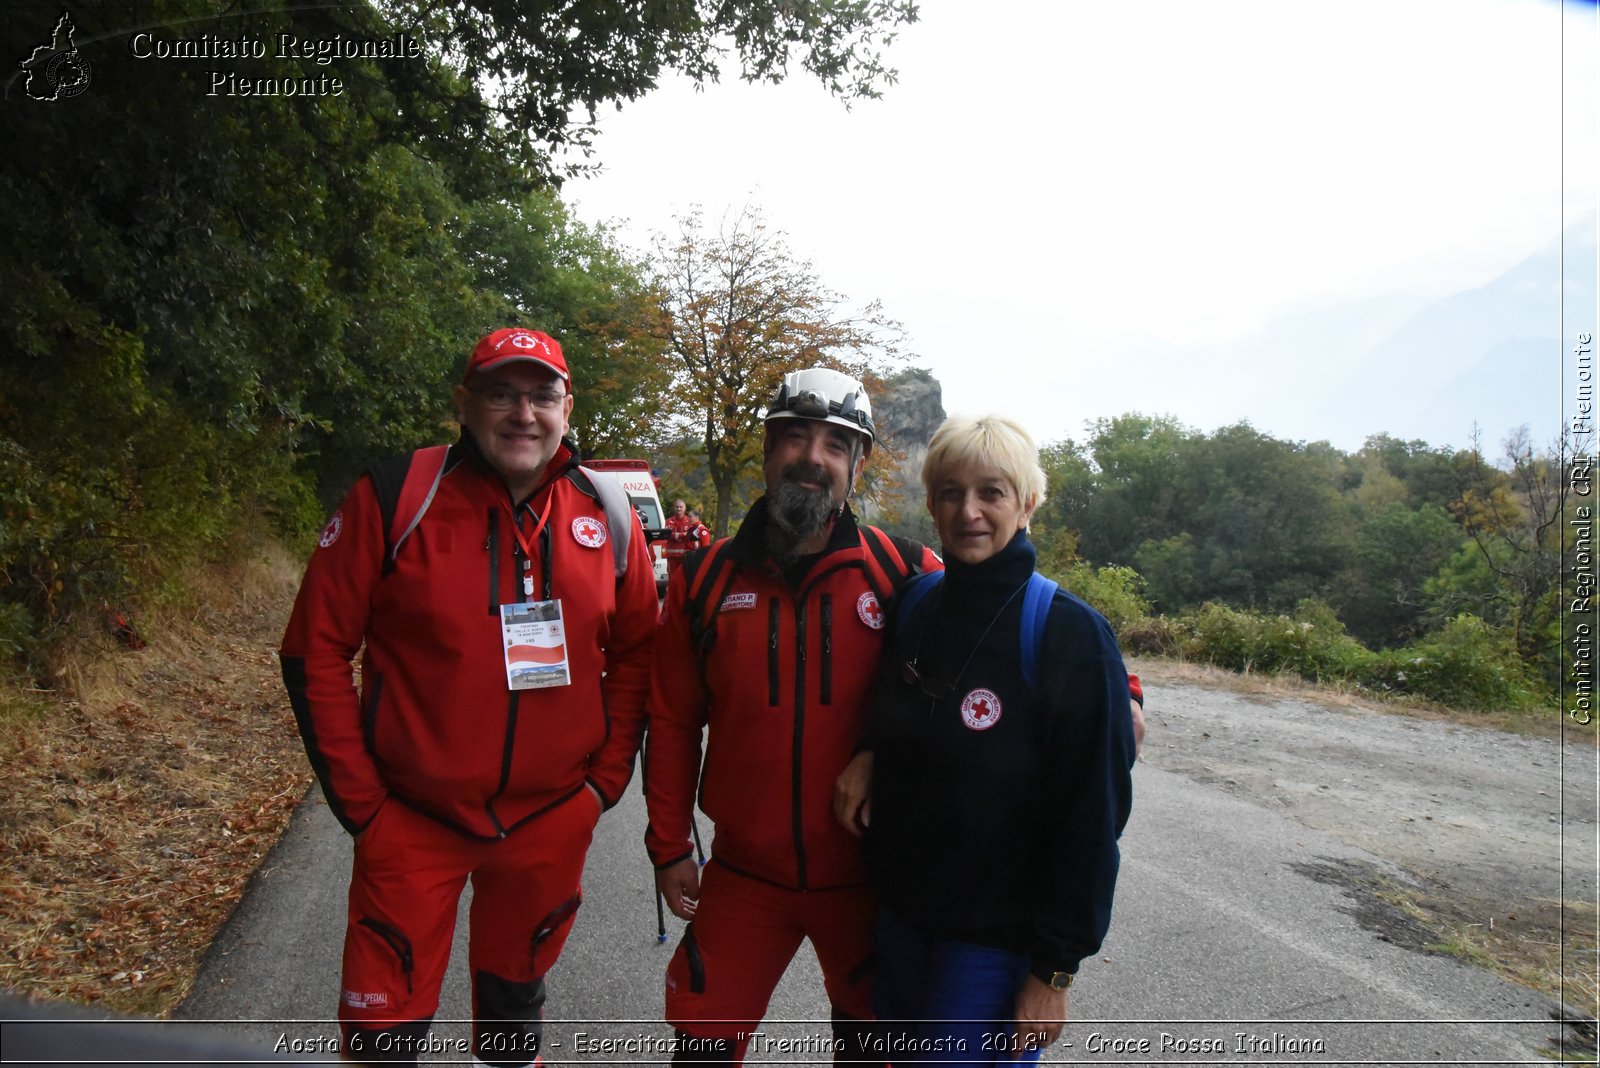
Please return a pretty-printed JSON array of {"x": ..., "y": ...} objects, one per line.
[{"x": 797, "y": 514}]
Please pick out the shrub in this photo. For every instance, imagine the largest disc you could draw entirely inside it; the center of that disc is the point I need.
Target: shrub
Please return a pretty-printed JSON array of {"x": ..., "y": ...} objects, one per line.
[
  {"x": 1115, "y": 592},
  {"x": 1465, "y": 664},
  {"x": 1220, "y": 635},
  {"x": 1312, "y": 643},
  {"x": 1151, "y": 636}
]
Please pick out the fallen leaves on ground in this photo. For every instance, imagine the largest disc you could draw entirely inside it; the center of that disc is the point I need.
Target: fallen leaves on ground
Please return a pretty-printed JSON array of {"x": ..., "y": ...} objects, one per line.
[{"x": 134, "y": 811}]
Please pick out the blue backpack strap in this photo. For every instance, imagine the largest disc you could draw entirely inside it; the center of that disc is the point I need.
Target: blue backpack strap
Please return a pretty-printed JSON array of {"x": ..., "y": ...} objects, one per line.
[
  {"x": 913, "y": 591},
  {"x": 1035, "y": 611}
]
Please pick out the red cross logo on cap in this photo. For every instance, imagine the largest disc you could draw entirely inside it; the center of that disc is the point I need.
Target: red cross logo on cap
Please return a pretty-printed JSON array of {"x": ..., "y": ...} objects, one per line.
[{"x": 525, "y": 341}]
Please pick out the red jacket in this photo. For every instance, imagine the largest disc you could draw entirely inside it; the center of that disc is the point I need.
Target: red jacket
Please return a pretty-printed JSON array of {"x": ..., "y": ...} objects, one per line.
[
  {"x": 681, "y": 536},
  {"x": 435, "y": 722},
  {"x": 784, "y": 701}
]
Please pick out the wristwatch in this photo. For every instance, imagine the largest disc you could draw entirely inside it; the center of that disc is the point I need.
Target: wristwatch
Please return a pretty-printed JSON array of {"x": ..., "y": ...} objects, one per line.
[{"x": 1055, "y": 980}]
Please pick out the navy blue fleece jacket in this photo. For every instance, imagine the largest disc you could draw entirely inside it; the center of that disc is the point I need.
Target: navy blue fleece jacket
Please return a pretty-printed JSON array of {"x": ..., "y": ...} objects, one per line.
[{"x": 996, "y": 810}]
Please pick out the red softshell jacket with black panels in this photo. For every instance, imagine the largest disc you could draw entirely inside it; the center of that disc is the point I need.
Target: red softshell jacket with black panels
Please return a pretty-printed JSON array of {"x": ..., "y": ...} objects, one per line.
[
  {"x": 434, "y": 722},
  {"x": 784, "y": 697}
]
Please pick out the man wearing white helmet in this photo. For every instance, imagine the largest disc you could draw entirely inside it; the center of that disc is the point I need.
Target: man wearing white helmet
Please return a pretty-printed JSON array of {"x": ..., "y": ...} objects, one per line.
[{"x": 770, "y": 640}]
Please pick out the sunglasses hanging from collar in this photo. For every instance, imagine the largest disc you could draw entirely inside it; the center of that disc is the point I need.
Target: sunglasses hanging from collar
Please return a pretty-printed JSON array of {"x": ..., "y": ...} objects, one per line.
[{"x": 934, "y": 688}]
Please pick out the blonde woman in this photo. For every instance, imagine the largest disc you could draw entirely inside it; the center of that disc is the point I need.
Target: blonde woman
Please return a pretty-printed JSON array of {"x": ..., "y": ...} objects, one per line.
[{"x": 998, "y": 752}]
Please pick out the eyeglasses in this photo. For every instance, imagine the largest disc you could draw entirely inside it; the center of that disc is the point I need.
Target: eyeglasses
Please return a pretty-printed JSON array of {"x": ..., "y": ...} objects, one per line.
[
  {"x": 504, "y": 398},
  {"x": 930, "y": 687}
]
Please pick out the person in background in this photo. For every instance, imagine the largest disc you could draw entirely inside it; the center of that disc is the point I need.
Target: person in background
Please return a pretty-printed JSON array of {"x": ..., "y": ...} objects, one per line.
[
  {"x": 455, "y": 761},
  {"x": 679, "y": 537},
  {"x": 699, "y": 533},
  {"x": 796, "y": 605},
  {"x": 990, "y": 803}
]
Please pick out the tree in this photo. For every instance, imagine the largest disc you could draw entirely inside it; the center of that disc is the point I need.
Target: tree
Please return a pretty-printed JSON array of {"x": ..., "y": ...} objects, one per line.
[
  {"x": 1513, "y": 518},
  {"x": 1236, "y": 516},
  {"x": 741, "y": 311},
  {"x": 1381, "y": 594},
  {"x": 552, "y": 65},
  {"x": 539, "y": 266},
  {"x": 217, "y": 309}
]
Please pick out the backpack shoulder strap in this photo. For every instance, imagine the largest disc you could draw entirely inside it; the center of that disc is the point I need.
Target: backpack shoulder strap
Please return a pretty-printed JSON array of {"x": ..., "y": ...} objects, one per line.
[
  {"x": 702, "y": 570},
  {"x": 888, "y": 561},
  {"x": 405, "y": 485},
  {"x": 914, "y": 591},
  {"x": 1035, "y": 613},
  {"x": 620, "y": 515}
]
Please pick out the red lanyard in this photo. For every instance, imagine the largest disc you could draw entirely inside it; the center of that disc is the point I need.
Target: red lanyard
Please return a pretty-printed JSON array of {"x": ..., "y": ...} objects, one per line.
[{"x": 527, "y": 542}]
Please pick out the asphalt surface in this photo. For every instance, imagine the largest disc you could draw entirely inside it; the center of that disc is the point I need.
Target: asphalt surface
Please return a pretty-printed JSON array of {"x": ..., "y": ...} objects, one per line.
[{"x": 1224, "y": 948}]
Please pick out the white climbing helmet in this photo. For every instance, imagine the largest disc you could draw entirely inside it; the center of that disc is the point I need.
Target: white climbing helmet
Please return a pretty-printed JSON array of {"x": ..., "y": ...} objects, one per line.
[{"x": 825, "y": 394}]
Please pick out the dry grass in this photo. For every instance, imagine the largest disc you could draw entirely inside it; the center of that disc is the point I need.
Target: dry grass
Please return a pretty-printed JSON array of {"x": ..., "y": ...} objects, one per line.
[
  {"x": 137, "y": 800},
  {"x": 1548, "y": 946}
]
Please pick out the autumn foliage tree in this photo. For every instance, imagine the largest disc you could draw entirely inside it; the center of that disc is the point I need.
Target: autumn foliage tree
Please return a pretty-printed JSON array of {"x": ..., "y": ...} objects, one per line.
[
  {"x": 1512, "y": 517},
  {"x": 216, "y": 311},
  {"x": 741, "y": 311}
]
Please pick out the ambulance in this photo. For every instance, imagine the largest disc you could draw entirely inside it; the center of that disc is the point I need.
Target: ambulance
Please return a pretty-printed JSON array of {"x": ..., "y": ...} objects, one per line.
[{"x": 634, "y": 479}]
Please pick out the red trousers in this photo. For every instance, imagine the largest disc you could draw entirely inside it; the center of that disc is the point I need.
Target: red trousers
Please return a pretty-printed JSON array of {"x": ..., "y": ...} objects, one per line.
[
  {"x": 406, "y": 882},
  {"x": 742, "y": 938}
]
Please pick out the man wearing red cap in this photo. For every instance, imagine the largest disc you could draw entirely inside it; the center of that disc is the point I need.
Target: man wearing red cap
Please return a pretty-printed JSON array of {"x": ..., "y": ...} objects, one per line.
[{"x": 502, "y": 695}]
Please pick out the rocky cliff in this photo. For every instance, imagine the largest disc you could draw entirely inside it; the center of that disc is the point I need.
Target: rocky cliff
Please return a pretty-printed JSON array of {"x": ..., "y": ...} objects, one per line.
[{"x": 908, "y": 409}]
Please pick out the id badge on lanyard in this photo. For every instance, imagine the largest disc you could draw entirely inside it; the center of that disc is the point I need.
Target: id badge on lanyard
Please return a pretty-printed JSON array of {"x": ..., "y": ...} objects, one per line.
[
  {"x": 535, "y": 643},
  {"x": 532, "y": 634}
]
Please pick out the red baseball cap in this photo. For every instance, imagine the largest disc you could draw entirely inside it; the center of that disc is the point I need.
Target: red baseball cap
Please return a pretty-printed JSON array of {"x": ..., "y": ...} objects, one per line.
[{"x": 516, "y": 343}]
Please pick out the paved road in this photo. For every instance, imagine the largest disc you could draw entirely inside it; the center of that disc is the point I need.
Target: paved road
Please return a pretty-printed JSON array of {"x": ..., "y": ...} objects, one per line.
[{"x": 1223, "y": 948}]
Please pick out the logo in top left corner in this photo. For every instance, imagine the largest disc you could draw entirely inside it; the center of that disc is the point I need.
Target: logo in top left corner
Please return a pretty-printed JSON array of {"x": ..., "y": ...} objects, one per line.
[
  {"x": 57, "y": 70},
  {"x": 330, "y": 533}
]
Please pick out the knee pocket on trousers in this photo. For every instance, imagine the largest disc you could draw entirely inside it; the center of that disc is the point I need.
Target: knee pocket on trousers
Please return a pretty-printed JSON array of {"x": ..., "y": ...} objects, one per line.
[
  {"x": 560, "y": 915},
  {"x": 397, "y": 943},
  {"x": 544, "y": 945}
]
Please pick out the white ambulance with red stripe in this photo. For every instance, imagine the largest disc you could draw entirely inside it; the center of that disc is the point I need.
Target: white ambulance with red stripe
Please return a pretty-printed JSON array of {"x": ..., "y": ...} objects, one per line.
[{"x": 642, "y": 487}]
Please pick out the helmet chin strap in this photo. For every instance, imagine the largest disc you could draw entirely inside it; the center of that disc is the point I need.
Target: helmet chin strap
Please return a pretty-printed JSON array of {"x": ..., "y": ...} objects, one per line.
[{"x": 857, "y": 454}]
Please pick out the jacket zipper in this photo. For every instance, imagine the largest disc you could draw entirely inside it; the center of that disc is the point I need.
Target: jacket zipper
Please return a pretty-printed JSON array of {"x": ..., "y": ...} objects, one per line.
[
  {"x": 512, "y": 708},
  {"x": 799, "y": 741},
  {"x": 772, "y": 653},
  {"x": 491, "y": 545},
  {"x": 826, "y": 694}
]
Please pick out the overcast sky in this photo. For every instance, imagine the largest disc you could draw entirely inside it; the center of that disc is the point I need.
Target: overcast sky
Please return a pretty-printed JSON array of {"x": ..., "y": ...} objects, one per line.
[{"x": 1064, "y": 201}]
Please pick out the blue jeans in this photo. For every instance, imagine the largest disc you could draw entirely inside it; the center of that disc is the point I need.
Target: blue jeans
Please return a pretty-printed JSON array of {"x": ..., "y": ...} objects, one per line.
[{"x": 943, "y": 1002}]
